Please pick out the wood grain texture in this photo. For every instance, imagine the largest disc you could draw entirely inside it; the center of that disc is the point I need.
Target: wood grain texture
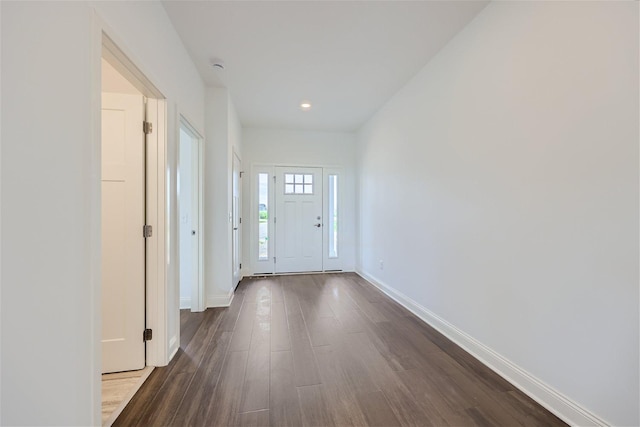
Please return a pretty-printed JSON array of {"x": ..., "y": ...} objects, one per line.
[
  {"x": 322, "y": 350},
  {"x": 376, "y": 409},
  {"x": 284, "y": 409},
  {"x": 338, "y": 379},
  {"x": 224, "y": 404},
  {"x": 192, "y": 410},
  {"x": 279, "y": 328},
  {"x": 169, "y": 396},
  {"x": 314, "y": 405},
  {"x": 253, "y": 419},
  {"x": 118, "y": 389},
  {"x": 255, "y": 393},
  {"x": 244, "y": 327}
]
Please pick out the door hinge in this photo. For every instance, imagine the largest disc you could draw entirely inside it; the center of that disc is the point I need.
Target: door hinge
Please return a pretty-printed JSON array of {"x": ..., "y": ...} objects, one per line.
[
  {"x": 147, "y": 335},
  {"x": 240, "y": 220},
  {"x": 147, "y": 231},
  {"x": 240, "y": 266},
  {"x": 274, "y": 260},
  {"x": 147, "y": 127}
]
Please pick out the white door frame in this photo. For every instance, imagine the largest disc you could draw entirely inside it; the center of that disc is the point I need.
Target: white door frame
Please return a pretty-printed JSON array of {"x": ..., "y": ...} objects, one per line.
[
  {"x": 236, "y": 241},
  {"x": 156, "y": 272},
  {"x": 256, "y": 266},
  {"x": 157, "y": 247},
  {"x": 198, "y": 302},
  {"x": 105, "y": 44},
  {"x": 156, "y": 200}
]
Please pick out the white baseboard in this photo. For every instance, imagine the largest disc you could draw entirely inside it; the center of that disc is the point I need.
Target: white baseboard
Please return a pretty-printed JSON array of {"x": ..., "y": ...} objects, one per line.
[
  {"x": 185, "y": 302},
  {"x": 557, "y": 403},
  {"x": 220, "y": 300},
  {"x": 174, "y": 346}
]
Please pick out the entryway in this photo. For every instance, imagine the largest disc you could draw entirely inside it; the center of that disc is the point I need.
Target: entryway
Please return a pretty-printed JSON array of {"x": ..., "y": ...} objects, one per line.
[
  {"x": 296, "y": 214},
  {"x": 132, "y": 219}
]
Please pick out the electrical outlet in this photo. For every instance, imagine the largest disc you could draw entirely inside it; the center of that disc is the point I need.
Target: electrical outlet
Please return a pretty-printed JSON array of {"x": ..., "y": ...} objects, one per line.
[{"x": 381, "y": 264}]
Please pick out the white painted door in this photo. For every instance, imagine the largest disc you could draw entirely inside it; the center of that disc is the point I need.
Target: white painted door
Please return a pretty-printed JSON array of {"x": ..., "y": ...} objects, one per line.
[
  {"x": 123, "y": 245},
  {"x": 298, "y": 219},
  {"x": 188, "y": 205},
  {"x": 236, "y": 220}
]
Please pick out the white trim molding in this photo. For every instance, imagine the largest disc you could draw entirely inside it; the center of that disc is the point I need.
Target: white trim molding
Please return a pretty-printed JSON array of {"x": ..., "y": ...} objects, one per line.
[
  {"x": 220, "y": 300},
  {"x": 554, "y": 401},
  {"x": 185, "y": 303}
]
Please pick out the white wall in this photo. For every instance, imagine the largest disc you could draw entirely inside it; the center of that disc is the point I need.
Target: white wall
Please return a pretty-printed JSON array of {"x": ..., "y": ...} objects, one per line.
[
  {"x": 500, "y": 188},
  {"x": 50, "y": 361},
  {"x": 169, "y": 68},
  {"x": 46, "y": 277},
  {"x": 223, "y": 137},
  {"x": 305, "y": 148},
  {"x": 1, "y": 329}
]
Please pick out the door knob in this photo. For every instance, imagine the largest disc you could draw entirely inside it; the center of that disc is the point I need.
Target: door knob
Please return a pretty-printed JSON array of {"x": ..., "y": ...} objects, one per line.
[
  {"x": 193, "y": 232},
  {"x": 317, "y": 225},
  {"x": 235, "y": 228}
]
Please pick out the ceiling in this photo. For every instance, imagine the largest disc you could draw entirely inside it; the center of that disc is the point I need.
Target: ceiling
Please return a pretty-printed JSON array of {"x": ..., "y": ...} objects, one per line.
[{"x": 346, "y": 57}]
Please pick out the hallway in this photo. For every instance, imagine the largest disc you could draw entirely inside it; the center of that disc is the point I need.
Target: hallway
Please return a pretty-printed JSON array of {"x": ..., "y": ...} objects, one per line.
[{"x": 322, "y": 350}]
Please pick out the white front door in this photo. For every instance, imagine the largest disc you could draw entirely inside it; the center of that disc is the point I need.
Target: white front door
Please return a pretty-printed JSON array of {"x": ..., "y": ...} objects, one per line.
[
  {"x": 298, "y": 219},
  {"x": 123, "y": 244},
  {"x": 236, "y": 220}
]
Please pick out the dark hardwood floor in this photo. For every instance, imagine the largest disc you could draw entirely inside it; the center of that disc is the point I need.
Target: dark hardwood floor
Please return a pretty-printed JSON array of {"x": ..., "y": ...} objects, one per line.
[{"x": 322, "y": 350}]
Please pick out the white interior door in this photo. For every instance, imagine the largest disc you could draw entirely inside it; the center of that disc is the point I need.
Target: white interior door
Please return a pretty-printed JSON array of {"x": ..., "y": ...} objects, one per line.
[
  {"x": 236, "y": 220},
  {"x": 188, "y": 205},
  {"x": 298, "y": 219},
  {"x": 123, "y": 245}
]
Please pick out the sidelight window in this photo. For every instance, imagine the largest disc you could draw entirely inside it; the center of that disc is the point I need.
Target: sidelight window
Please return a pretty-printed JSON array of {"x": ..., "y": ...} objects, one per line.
[
  {"x": 263, "y": 216},
  {"x": 333, "y": 216}
]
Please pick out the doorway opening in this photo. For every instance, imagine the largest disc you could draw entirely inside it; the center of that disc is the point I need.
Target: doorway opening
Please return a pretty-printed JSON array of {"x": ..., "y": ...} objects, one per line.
[
  {"x": 190, "y": 205},
  {"x": 236, "y": 221},
  {"x": 295, "y": 218},
  {"x": 132, "y": 207}
]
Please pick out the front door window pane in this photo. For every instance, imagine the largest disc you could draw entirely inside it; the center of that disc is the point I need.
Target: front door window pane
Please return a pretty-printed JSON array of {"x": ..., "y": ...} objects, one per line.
[{"x": 298, "y": 183}]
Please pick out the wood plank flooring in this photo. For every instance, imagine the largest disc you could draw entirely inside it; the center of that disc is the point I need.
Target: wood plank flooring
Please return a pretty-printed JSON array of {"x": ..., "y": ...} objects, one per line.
[
  {"x": 118, "y": 389},
  {"x": 322, "y": 350}
]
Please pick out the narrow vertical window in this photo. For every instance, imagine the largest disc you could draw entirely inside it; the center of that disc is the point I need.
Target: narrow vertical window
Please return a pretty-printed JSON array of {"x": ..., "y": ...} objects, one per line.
[
  {"x": 263, "y": 216},
  {"x": 333, "y": 216}
]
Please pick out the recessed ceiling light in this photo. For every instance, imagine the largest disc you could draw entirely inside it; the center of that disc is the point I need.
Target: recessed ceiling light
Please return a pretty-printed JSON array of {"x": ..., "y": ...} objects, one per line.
[{"x": 305, "y": 106}]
